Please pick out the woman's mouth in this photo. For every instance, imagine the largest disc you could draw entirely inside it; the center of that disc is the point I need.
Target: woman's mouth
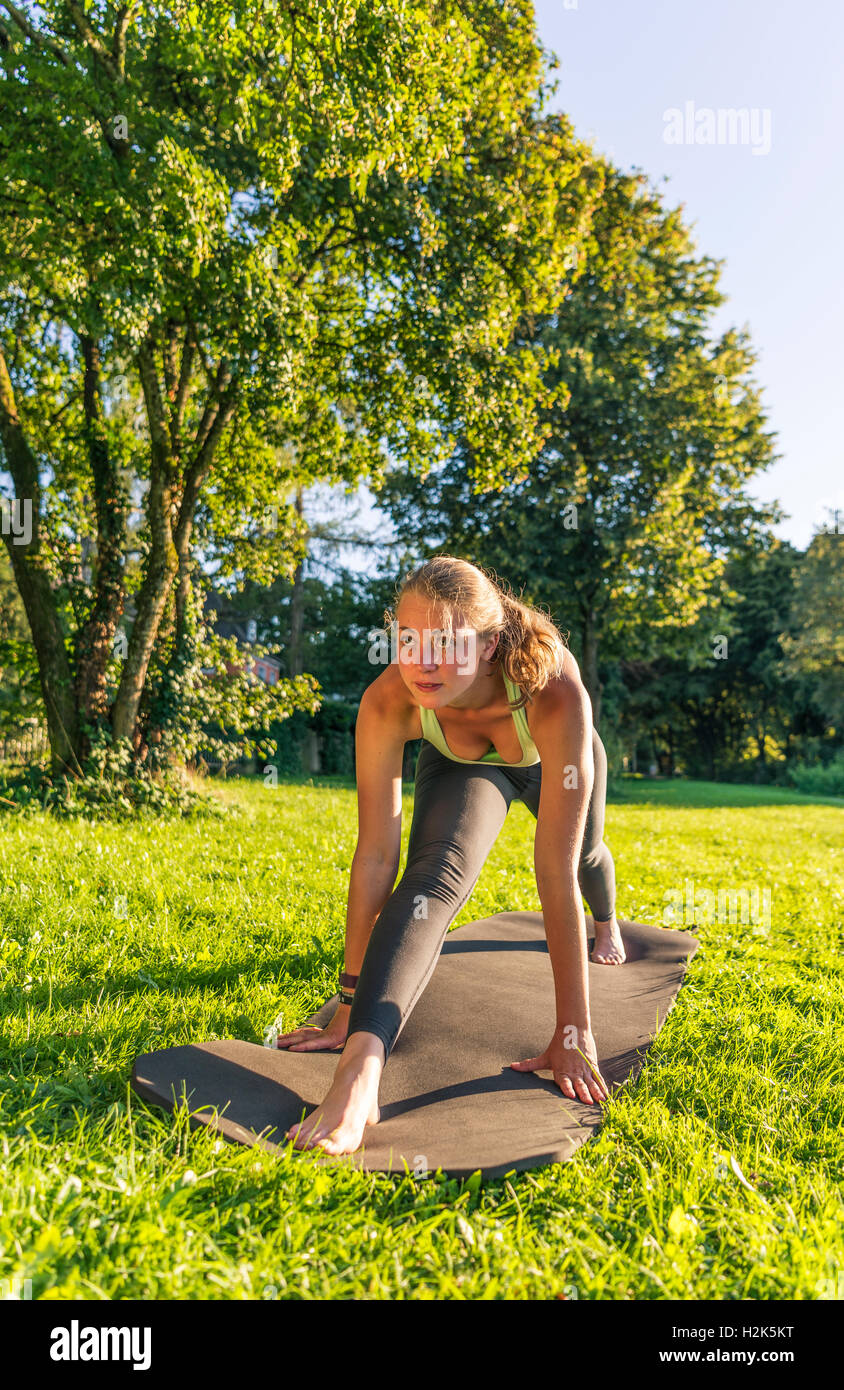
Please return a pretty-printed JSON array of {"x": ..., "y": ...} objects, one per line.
[{"x": 427, "y": 685}]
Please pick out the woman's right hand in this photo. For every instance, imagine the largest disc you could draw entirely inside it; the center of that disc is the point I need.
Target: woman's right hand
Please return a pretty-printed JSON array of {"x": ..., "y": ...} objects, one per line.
[{"x": 312, "y": 1039}]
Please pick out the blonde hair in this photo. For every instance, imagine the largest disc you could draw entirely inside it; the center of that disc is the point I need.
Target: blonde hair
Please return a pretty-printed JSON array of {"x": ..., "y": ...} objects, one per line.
[{"x": 530, "y": 647}]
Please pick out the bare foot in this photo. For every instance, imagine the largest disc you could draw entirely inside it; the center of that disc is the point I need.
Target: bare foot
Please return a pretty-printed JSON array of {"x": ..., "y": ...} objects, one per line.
[
  {"x": 337, "y": 1125},
  {"x": 609, "y": 947}
]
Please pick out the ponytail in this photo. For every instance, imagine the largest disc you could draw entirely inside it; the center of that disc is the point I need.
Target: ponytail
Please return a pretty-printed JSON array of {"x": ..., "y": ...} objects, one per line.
[{"x": 530, "y": 647}]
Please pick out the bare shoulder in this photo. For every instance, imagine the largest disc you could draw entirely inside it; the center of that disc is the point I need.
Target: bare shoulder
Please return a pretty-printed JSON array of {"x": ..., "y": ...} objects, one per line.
[
  {"x": 387, "y": 704},
  {"x": 565, "y": 698}
]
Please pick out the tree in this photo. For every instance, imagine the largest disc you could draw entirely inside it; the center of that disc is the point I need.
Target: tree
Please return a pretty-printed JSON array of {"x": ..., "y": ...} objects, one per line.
[
  {"x": 248, "y": 246},
  {"x": 727, "y": 704},
  {"x": 622, "y": 519},
  {"x": 813, "y": 640}
]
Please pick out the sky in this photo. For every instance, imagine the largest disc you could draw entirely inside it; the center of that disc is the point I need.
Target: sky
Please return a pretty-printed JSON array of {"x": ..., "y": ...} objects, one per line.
[{"x": 772, "y": 208}]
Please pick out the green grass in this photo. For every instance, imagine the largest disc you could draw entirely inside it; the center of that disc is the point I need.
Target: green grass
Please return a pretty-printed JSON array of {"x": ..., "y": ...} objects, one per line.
[
  {"x": 117, "y": 940},
  {"x": 678, "y": 792}
]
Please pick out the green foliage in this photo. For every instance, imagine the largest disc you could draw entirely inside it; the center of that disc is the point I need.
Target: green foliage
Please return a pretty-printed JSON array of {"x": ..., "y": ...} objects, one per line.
[
  {"x": 289, "y": 746},
  {"x": 206, "y": 704},
  {"x": 819, "y": 779},
  {"x": 814, "y": 642},
  {"x": 333, "y": 726},
  {"x": 109, "y": 786},
  {"x": 336, "y": 620},
  {"x": 357, "y": 211},
  {"x": 729, "y": 707}
]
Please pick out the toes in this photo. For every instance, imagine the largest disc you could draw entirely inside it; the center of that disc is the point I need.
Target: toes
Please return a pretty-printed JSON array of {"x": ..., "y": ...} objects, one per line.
[
  {"x": 599, "y": 958},
  {"x": 309, "y": 1140},
  {"x": 300, "y": 1132},
  {"x": 334, "y": 1141},
  {"x": 333, "y": 1146}
]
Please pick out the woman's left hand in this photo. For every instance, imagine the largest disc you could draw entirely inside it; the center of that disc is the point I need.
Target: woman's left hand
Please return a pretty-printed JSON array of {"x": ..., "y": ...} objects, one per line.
[{"x": 572, "y": 1057}]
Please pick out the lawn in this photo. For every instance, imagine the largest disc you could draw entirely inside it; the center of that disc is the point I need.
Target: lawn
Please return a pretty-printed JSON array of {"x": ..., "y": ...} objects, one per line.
[{"x": 716, "y": 1176}]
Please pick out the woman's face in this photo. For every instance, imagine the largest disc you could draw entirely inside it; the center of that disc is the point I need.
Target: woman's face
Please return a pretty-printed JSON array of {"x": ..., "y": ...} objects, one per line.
[{"x": 434, "y": 669}]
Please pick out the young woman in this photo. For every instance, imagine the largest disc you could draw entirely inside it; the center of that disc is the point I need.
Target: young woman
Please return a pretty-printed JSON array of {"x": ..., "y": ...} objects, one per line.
[{"x": 505, "y": 716}]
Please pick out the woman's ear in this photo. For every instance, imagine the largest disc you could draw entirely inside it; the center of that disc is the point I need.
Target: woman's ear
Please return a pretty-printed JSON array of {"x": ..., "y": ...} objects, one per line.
[{"x": 489, "y": 649}]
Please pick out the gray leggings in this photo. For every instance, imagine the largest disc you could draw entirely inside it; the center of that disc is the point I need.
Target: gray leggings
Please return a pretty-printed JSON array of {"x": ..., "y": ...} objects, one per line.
[{"x": 458, "y": 811}]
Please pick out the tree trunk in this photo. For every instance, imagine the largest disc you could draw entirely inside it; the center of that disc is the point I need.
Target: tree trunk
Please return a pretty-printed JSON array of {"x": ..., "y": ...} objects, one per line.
[
  {"x": 53, "y": 666},
  {"x": 152, "y": 599},
  {"x": 95, "y": 639},
  {"x": 169, "y": 557},
  {"x": 162, "y": 560},
  {"x": 33, "y": 582},
  {"x": 70, "y": 703},
  {"x": 217, "y": 415}
]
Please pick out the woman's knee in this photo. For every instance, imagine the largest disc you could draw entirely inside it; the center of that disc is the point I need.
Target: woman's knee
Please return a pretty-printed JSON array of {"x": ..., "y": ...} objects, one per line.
[{"x": 441, "y": 871}]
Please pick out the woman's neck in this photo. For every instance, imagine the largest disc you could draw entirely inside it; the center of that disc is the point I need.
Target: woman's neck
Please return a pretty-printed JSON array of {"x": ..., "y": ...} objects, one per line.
[{"x": 487, "y": 687}]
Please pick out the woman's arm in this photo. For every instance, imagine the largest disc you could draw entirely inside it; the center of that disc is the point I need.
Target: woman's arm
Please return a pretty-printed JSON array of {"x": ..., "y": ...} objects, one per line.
[
  {"x": 561, "y": 727},
  {"x": 380, "y": 736},
  {"x": 563, "y": 735},
  {"x": 384, "y": 725}
]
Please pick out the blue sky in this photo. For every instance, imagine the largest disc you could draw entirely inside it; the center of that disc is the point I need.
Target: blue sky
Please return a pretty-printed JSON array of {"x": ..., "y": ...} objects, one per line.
[{"x": 774, "y": 217}]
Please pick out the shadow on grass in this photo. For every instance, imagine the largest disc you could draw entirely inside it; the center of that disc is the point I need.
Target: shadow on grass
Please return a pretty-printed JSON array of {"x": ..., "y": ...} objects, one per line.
[{"x": 127, "y": 988}]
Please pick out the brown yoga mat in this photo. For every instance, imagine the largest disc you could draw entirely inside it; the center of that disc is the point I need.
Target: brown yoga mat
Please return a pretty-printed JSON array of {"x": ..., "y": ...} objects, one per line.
[{"x": 448, "y": 1098}]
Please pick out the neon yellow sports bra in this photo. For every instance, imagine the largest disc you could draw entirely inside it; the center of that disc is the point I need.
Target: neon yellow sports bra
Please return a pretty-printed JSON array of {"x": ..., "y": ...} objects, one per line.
[{"x": 432, "y": 731}]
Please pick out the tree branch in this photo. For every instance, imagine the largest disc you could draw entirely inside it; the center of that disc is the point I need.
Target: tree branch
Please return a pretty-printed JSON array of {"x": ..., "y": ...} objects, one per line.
[
  {"x": 125, "y": 15},
  {"x": 209, "y": 415},
  {"x": 96, "y": 634},
  {"x": 40, "y": 40},
  {"x": 169, "y": 359},
  {"x": 156, "y": 415},
  {"x": 178, "y": 412},
  {"x": 91, "y": 38}
]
